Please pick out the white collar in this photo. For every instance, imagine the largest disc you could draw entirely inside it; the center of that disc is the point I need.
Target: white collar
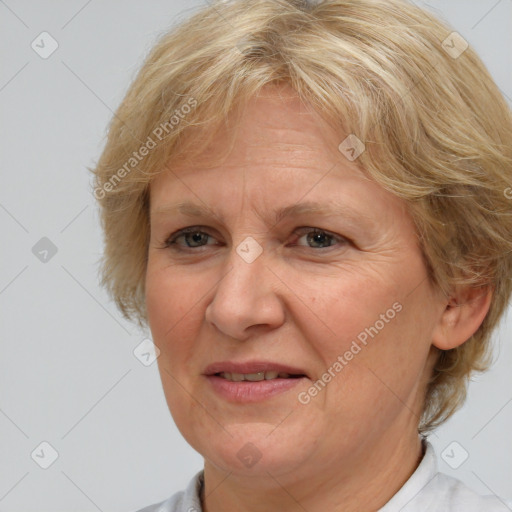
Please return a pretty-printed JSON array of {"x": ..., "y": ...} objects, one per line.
[{"x": 413, "y": 493}]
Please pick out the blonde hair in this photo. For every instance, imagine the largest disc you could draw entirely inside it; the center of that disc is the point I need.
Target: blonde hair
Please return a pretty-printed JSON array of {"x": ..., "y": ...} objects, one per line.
[{"x": 436, "y": 129}]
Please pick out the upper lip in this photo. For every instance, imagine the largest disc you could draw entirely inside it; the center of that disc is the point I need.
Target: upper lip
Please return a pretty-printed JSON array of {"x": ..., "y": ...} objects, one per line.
[{"x": 251, "y": 367}]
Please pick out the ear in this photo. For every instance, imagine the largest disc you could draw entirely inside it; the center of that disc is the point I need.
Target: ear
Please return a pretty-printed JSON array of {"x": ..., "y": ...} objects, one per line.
[{"x": 464, "y": 313}]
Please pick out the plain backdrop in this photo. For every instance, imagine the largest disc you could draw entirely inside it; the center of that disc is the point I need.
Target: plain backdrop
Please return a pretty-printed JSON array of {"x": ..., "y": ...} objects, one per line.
[{"x": 68, "y": 374}]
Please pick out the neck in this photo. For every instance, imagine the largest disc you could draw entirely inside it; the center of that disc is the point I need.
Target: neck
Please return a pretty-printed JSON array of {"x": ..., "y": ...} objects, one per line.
[{"x": 364, "y": 483}]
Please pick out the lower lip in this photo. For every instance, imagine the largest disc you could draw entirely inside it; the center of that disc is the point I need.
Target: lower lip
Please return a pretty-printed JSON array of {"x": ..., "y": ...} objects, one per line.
[{"x": 247, "y": 391}]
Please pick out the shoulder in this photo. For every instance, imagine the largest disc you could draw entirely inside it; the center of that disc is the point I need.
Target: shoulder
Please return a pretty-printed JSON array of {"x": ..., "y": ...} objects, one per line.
[
  {"x": 448, "y": 494},
  {"x": 172, "y": 504},
  {"x": 187, "y": 500},
  {"x": 428, "y": 490},
  {"x": 175, "y": 503}
]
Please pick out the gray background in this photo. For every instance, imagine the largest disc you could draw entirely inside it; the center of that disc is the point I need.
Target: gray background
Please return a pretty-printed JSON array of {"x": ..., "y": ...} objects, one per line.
[{"x": 68, "y": 375}]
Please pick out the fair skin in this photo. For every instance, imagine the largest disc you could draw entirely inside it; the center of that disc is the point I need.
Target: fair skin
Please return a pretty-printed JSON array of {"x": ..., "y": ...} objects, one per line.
[{"x": 301, "y": 302}]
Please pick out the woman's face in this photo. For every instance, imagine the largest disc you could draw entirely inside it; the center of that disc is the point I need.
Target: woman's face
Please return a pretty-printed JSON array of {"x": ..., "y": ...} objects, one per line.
[{"x": 348, "y": 306}]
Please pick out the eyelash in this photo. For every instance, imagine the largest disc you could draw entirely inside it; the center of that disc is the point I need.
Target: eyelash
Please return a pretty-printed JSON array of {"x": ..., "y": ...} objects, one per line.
[{"x": 170, "y": 243}]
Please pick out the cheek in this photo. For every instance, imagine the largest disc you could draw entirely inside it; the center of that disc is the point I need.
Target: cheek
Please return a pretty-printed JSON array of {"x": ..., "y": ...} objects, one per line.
[
  {"x": 160, "y": 306},
  {"x": 348, "y": 311},
  {"x": 375, "y": 338},
  {"x": 170, "y": 302}
]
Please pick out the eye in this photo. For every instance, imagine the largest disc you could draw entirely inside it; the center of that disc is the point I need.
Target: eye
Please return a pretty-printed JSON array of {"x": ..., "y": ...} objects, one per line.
[
  {"x": 195, "y": 237},
  {"x": 319, "y": 238},
  {"x": 192, "y": 236}
]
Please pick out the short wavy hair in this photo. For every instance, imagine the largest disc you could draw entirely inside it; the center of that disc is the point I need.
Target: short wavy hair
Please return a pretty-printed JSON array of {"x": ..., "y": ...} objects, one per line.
[{"x": 437, "y": 133}]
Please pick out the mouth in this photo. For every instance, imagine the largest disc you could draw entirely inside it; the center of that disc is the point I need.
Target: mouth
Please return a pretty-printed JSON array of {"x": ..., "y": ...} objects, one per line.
[
  {"x": 258, "y": 376},
  {"x": 252, "y": 381}
]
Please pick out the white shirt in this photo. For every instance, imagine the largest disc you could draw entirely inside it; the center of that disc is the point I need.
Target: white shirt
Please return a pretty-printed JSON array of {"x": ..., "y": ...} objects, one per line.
[{"x": 427, "y": 490}]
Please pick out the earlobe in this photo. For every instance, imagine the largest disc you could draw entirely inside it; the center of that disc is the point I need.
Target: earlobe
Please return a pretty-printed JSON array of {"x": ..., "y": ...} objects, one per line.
[{"x": 464, "y": 313}]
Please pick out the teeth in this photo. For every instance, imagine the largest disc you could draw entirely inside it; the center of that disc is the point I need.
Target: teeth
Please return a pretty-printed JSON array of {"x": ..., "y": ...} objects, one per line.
[{"x": 254, "y": 377}]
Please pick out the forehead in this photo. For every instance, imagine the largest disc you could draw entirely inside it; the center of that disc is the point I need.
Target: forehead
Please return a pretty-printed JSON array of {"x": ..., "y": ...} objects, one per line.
[
  {"x": 281, "y": 153},
  {"x": 274, "y": 124}
]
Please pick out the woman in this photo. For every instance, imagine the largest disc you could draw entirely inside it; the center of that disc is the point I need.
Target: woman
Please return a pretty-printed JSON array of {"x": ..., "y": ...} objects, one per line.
[{"x": 306, "y": 204}]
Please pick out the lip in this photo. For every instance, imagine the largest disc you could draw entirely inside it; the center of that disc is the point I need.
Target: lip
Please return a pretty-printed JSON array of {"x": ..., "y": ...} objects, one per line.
[{"x": 247, "y": 391}]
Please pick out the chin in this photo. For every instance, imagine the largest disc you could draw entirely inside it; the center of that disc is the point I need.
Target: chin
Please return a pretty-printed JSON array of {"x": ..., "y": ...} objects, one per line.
[{"x": 249, "y": 450}]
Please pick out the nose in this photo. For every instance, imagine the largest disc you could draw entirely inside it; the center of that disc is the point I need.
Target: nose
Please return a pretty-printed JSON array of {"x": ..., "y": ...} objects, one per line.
[{"x": 247, "y": 298}]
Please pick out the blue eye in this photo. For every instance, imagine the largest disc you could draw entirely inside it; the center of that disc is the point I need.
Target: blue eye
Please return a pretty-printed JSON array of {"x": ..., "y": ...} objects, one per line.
[
  {"x": 319, "y": 236},
  {"x": 194, "y": 237}
]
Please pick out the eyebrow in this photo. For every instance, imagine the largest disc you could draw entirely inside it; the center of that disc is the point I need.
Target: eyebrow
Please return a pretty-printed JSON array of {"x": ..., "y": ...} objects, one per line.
[{"x": 190, "y": 209}]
